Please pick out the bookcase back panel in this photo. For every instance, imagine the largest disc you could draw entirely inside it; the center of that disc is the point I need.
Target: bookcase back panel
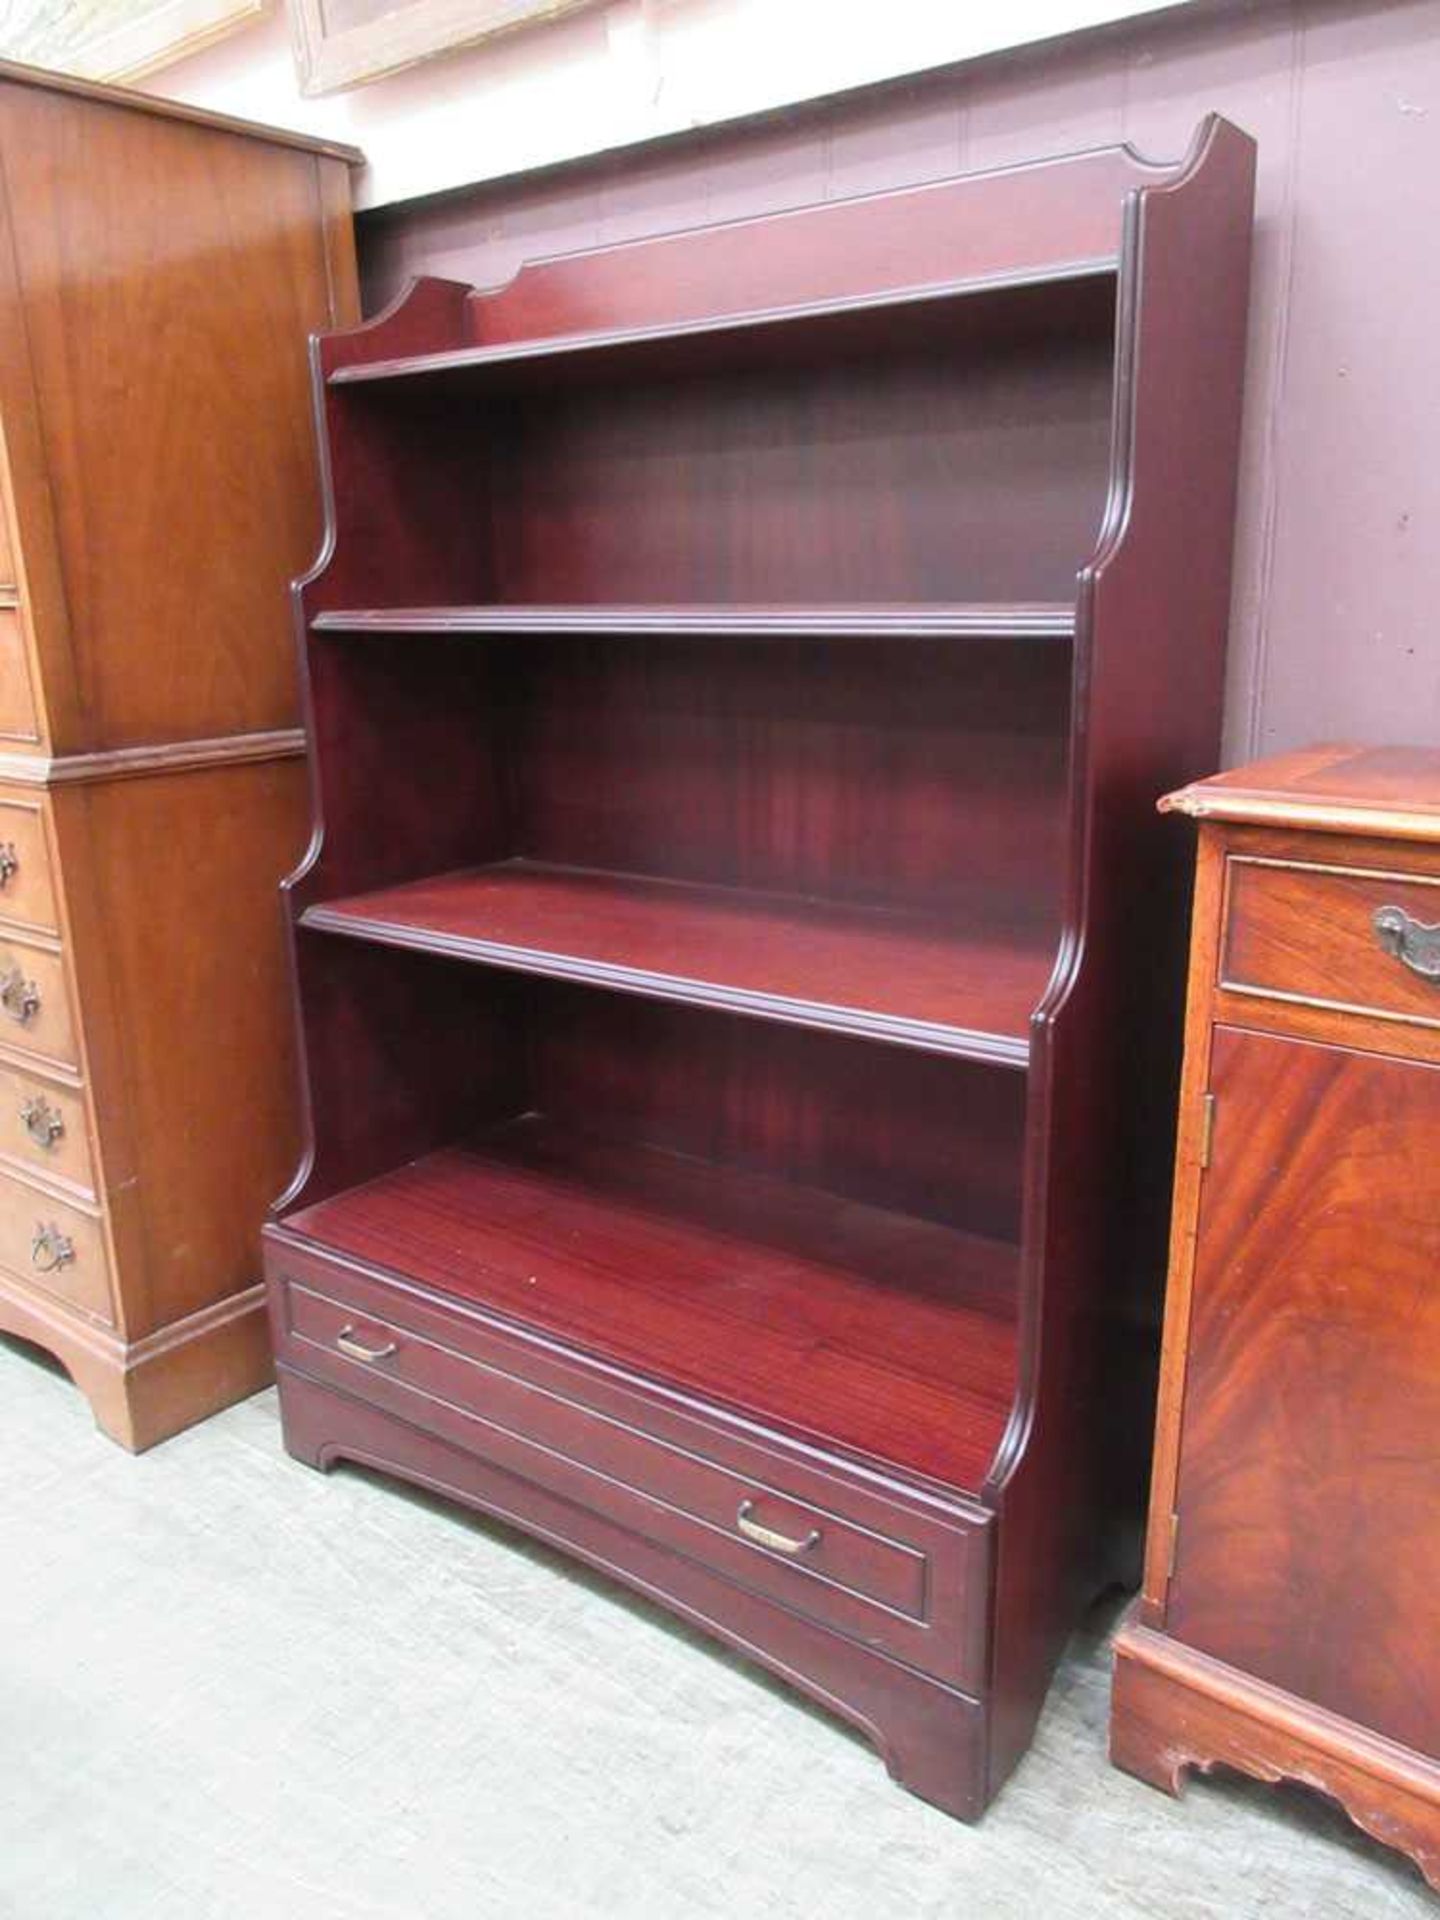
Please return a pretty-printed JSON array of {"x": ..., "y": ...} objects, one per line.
[
  {"x": 914, "y": 478},
  {"x": 924, "y": 774},
  {"x": 409, "y": 1053},
  {"x": 937, "y": 1138}
]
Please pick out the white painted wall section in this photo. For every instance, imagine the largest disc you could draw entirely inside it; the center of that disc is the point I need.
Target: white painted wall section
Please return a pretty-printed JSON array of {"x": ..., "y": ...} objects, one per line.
[{"x": 612, "y": 75}]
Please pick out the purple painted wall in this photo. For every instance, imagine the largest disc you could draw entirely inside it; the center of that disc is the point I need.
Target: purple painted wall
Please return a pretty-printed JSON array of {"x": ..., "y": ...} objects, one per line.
[{"x": 1338, "y": 554}]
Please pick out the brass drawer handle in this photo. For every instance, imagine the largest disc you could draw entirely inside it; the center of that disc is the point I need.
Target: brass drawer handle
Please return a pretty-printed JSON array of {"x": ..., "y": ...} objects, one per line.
[
  {"x": 1413, "y": 944},
  {"x": 346, "y": 1341},
  {"x": 9, "y": 863},
  {"x": 50, "y": 1249},
  {"x": 767, "y": 1537},
  {"x": 40, "y": 1120},
  {"x": 19, "y": 997}
]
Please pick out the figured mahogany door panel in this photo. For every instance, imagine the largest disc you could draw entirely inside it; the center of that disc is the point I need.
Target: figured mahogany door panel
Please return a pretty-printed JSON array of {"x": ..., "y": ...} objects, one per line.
[
  {"x": 1309, "y": 1476},
  {"x": 1332, "y": 936}
]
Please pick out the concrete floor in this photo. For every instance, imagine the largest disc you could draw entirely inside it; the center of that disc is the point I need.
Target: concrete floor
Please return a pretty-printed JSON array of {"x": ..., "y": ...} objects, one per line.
[{"x": 233, "y": 1687}]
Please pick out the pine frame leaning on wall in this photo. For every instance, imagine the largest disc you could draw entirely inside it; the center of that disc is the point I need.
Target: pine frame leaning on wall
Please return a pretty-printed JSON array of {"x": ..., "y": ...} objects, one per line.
[{"x": 331, "y": 56}]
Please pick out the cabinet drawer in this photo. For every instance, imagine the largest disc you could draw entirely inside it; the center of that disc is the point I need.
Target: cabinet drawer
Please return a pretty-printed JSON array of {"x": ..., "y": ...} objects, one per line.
[
  {"x": 54, "y": 1246},
  {"x": 27, "y": 890},
  {"x": 17, "y": 703},
  {"x": 905, "y": 1583},
  {"x": 1309, "y": 934},
  {"x": 42, "y": 1124},
  {"x": 35, "y": 1012}
]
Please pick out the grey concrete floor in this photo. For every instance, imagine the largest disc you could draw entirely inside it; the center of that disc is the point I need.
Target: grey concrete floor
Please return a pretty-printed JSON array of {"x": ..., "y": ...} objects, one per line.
[{"x": 231, "y": 1687}]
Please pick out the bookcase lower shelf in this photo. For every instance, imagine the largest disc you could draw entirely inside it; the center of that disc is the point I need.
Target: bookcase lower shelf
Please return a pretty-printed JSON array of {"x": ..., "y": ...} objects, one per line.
[{"x": 870, "y": 1594}]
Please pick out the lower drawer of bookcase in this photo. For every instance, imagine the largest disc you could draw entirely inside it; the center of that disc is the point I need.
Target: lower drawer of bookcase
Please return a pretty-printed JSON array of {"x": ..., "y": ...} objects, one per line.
[{"x": 910, "y": 1582}]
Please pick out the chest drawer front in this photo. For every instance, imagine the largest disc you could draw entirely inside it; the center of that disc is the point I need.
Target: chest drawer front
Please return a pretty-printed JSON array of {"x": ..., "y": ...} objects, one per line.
[
  {"x": 860, "y": 1565},
  {"x": 1333, "y": 937},
  {"x": 53, "y": 1246},
  {"x": 35, "y": 1014},
  {"x": 17, "y": 702},
  {"x": 42, "y": 1125},
  {"x": 27, "y": 889}
]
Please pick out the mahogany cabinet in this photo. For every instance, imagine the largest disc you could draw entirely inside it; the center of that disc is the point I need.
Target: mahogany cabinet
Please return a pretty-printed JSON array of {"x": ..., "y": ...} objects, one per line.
[
  {"x": 1288, "y": 1621},
  {"x": 742, "y": 666},
  {"x": 159, "y": 271}
]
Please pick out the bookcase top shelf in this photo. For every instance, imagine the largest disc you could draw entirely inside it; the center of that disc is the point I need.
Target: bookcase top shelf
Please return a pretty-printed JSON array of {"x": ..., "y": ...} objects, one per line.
[
  {"x": 1040, "y": 620},
  {"x": 914, "y": 980},
  {"x": 1005, "y": 304}
]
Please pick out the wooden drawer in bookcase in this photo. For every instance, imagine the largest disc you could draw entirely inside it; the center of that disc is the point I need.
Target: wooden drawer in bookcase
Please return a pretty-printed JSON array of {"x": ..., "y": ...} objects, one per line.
[
  {"x": 27, "y": 888},
  {"x": 1342, "y": 938},
  {"x": 42, "y": 1125},
  {"x": 54, "y": 1246},
  {"x": 35, "y": 1014},
  {"x": 17, "y": 702},
  {"x": 904, "y": 1581}
]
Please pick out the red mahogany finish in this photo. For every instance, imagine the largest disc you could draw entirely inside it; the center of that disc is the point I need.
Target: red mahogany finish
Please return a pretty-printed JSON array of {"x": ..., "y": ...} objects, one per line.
[
  {"x": 728, "y": 937},
  {"x": 1288, "y": 1621}
]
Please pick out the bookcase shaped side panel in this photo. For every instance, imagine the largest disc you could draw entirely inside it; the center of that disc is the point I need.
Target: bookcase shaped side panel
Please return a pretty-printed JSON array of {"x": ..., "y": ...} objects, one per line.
[{"x": 1153, "y": 614}]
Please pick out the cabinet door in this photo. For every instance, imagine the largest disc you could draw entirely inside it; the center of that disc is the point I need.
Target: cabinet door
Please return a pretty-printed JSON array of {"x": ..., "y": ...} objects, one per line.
[{"x": 1308, "y": 1546}]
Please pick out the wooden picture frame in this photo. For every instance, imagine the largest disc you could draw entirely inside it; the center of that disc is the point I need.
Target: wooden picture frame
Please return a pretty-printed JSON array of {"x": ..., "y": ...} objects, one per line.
[
  {"x": 334, "y": 50},
  {"x": 120, "y": 42}
]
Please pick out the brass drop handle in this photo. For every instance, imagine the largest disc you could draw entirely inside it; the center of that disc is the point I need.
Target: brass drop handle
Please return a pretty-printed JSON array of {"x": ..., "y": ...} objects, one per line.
[
  {"x": 50, "y": 1249},
  {"x": 346, "y": 1341},
  {"x": 19, "y": 997},
  {"x": 1413, "y": 944},
  {"x": 767, "y": 1537},
  {"x": 9, "y": 863},
  {"x": 40, "y": 1120}
]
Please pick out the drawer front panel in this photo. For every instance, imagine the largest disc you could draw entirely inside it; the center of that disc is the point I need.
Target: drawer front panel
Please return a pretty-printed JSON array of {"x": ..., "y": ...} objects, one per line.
[
  {"x": 35, "y": 1003},
  {"x": 909, "y": 1585},
  {"x": 53, "y": 1246},
  {"x": 42, "y": 1125},
  {"x": 17, "y": 703},
  {"x": 1309, "y": 934},
  {"x": 27, "y": 889}
]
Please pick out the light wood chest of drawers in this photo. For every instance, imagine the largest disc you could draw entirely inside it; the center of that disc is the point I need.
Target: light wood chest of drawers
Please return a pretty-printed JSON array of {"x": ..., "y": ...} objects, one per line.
[{"x": 160, "y": 270}]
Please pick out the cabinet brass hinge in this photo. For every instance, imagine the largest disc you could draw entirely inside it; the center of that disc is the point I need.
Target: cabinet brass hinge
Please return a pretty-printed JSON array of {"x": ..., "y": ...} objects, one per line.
[
  {"x": 1207, "y": 1129},
  {"x": 1171, "y": 1549}
]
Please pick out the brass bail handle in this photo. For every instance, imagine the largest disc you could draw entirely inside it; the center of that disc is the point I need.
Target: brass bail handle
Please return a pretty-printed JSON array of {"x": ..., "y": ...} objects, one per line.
[
  {"x": 49, "y": 1248},
  {"x": 1414, "y": 944},
  {"x": 767, "y": 1537},
  {"x": 19, "y": 997}
]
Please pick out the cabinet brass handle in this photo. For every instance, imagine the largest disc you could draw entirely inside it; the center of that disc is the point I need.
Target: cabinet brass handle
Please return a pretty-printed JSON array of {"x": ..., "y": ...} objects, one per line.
[
  {"x": 19, "y": 997},
  {"x": 346, "y": 1341},
  {"x": 767, "y": 1537},
  {"x": 40, "y": 1120},
  {"x": 9, "y": 863},
  {"x": 1413, "y": 944},
  {"x": 49, "y": 1248}
]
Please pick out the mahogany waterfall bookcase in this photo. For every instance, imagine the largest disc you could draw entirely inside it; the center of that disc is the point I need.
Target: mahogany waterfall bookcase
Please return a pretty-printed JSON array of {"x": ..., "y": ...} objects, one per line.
[{"x": 738, "y": 958}]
